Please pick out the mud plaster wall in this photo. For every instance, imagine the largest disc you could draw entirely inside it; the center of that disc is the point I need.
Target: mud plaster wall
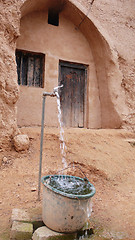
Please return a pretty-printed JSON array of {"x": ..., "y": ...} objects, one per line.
[
  {"x": 116, "y": 17},
  {"x": 112, "y": 102},
  {"x": 9, "y": 31},
  {"x": 69, "y": 44}
]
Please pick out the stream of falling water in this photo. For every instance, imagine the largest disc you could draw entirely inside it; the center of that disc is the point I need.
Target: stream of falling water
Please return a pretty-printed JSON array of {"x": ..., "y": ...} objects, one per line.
[
  {"x": 63, "y": 154},
  {"x": 62, "y": 141},
  {"x": 86, "y": 234}
]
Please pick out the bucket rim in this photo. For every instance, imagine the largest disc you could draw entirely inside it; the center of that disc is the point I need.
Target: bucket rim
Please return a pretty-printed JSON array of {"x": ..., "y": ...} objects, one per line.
[{"x": 69, "y": 195}]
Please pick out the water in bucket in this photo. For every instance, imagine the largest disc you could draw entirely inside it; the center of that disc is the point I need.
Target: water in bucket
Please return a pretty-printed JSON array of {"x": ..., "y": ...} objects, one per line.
[{"x": 70, "y": 185}]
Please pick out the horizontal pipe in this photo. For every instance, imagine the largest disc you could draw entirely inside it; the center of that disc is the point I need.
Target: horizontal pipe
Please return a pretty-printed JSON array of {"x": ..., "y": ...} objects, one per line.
[{"x": 52, "y": 94}]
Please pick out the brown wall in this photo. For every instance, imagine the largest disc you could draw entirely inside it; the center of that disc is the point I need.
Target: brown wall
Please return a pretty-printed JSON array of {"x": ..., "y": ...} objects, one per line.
[
  {"x": 57, "y": 43},
  {"x": 105, "y": 96},
  {"x": 9, "y": 31},
  {"x": 117, "y": 18}
]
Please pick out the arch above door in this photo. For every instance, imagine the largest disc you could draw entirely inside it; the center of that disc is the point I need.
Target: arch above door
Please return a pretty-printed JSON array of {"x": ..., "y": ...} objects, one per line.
[{"x": 106, "y": 78}]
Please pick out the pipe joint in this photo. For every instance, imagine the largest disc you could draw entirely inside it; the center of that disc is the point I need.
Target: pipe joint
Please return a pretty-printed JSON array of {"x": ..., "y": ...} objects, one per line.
[{"x": 52, "y": 94}]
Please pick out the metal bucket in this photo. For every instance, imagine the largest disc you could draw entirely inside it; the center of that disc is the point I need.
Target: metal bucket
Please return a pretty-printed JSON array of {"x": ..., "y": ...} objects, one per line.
[{"x": 63, "y": 212}]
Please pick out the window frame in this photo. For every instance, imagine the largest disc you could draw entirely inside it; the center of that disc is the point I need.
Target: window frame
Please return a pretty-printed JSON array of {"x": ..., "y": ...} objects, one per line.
[{"x": 23, "y": 70}]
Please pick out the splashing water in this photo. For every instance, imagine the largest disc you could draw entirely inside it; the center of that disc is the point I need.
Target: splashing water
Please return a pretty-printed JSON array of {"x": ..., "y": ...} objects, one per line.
[
  {"x": 62, "y": 141},
  {"x": 87, "y": 232},
  {"x": 70, "y": 185}
]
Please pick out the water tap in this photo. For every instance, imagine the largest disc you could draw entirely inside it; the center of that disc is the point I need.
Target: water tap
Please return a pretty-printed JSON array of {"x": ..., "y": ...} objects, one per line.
[
  {"x": 56, "y": 88},
  {"x": 54, "y": 93}
]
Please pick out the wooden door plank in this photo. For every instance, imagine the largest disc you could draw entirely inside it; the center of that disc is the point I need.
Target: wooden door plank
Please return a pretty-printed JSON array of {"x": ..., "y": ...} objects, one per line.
[
  {"x": 75, "y": 100},
  {"x": 81, "y": 102},
  {"x": 72, "y": 89},
  {"x": 68, "y": 99},
  {"x": 65, "y": 97}
]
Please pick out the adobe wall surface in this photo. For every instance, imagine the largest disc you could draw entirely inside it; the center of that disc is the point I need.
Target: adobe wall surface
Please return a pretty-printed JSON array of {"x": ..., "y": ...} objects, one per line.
[
  {"x": 116, "y": 17},
  {"x": 67, "y": 45},
  {"x": 9, "y": 93}
]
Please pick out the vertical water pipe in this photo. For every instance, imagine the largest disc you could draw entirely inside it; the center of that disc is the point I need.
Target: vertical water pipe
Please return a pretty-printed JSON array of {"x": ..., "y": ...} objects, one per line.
[{"x": 45, "y": 94}]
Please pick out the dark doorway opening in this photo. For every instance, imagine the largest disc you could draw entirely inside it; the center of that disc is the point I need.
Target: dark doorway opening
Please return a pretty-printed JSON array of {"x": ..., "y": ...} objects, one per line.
[{"x": 73, "y": 77}]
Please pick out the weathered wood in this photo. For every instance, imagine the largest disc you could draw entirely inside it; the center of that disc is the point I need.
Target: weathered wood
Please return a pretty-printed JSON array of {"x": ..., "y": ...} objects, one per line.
[
  {"x": 30, "y": 71},
  {"x": 81, "y": 109},
  {"x": 24, "y": 69},
  {"x": 37, "y": 72},
  {"x": 72, "y": 76},
  {"x": 30, "y": 68},
  {"x": 18, "y": 61}
]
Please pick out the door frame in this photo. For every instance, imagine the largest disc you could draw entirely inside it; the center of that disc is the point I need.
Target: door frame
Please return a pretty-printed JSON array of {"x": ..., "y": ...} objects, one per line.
[{"x": 85, "y": 67}]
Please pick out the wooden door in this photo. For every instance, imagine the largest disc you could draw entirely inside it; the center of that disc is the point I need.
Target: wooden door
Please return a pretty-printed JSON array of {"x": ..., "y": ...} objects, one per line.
[{"x": 73, "y": 93}]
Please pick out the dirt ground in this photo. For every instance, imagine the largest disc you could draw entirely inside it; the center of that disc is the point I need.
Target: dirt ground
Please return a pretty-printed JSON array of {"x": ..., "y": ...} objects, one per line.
[{"x": 105, "y": 156}]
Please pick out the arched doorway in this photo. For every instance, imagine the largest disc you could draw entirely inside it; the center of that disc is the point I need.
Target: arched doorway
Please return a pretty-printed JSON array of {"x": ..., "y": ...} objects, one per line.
[{"x": 63, "y": 40}]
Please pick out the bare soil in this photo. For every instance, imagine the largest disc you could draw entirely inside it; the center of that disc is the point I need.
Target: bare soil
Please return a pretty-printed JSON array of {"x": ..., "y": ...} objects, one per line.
[{"x": 105, "y": 156}]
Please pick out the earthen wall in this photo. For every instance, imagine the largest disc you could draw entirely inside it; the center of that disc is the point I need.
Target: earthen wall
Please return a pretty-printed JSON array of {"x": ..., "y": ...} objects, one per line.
[{"x": 116, "y": 18}]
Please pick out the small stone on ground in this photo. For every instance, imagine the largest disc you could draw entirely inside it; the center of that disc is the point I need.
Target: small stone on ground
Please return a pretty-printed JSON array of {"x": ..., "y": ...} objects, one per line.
[
  {"x": 20, "y": 215},
  {"x": 21, "y": 231},
  {"x": 21, "y": 142},
  {"x": 44, "y": 233}
]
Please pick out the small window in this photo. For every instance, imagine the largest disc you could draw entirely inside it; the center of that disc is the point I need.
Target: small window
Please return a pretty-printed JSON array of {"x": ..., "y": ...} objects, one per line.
[
  {"x": 53, "y": 17},
  {"x": 30, "y": 68}
]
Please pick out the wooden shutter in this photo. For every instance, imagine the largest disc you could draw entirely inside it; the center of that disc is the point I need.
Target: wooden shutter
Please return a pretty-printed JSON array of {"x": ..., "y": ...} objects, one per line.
[{"x": 30, "y": 68}]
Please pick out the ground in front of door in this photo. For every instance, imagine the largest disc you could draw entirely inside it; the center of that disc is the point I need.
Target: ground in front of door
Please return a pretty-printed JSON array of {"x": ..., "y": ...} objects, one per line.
[{"x": 105, "y": 156}]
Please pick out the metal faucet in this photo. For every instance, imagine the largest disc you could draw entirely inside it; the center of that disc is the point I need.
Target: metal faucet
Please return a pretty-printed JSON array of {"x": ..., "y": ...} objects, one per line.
[{"x": 52, "y": 94}]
